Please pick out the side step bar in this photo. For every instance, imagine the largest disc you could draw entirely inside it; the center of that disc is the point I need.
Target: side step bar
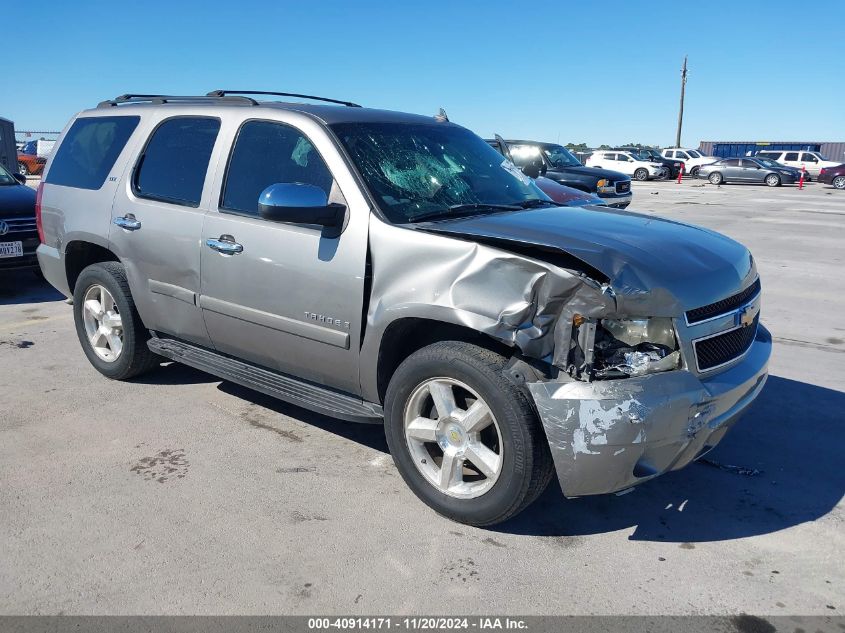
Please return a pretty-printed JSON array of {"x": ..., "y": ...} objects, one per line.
[{"x": 275, "y": 384}]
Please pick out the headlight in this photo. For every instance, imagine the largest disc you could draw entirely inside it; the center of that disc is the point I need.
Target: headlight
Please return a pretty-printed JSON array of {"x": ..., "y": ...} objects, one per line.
[
  {"x": 605, "y": 186},
  {"x": 635, "y": 347}
]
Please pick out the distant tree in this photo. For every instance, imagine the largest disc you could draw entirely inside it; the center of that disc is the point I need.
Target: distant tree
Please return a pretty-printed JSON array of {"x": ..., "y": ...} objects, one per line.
[
  {"x": 603, "y": 146},
  {"x": 577, "y": 147}
]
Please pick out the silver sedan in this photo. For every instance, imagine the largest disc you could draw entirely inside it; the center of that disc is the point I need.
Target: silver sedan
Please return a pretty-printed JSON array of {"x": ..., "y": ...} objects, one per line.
[{"x": 748, "y": 170}]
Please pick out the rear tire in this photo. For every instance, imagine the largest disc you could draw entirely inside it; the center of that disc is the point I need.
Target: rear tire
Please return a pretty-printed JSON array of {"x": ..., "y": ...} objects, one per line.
[
  {"x": 518, "y": 464},
  {"x": 108, "y": 325},
  {"x": 641, "y": 174},
  {"x": 839, "y": 182},
  {"x": 773, "y": 180},
  {"x": 716, "y": 178}
]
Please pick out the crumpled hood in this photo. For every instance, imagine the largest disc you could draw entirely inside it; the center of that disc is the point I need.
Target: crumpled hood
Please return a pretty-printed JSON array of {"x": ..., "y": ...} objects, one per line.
[{"x": 656, "y": 267}]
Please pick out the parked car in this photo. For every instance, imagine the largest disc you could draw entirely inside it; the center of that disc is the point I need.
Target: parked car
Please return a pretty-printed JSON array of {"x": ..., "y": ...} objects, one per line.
[
  {"x": 833, "y": 176},
  {"x": 561, "y": 194},
  {"x": 385, "y": 267},
  {"x": 557, "y": 163},
  {"x": 771, "y": 164},
  {"x": 747, "y": 170},
  {"x": 672, "y": 165},
  {"x": 18, "y": 234},
  {"x": 813, "y": 162},
  {"x": 627, "y": 163},
  {"x": 691, "y": 158},
  {"x": 29, "y": 162}
]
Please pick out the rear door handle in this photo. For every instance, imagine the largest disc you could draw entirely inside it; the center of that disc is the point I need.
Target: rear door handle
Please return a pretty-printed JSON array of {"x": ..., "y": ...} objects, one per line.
[
  {"x": 225, "y": 244},
  {"x": 127, "y": 222}
]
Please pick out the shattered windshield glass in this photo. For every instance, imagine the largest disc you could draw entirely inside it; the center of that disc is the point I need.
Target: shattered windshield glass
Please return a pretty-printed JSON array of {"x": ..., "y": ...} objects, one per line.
[{"x": 419, "y": 170}]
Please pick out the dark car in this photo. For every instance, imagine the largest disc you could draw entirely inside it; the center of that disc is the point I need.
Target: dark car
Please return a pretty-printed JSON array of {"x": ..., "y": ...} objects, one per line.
[
  {"x": 559, "y": 164},
  {"x": 833, "y": 176},
  {"x": 18, "y": 232},
  {"x": 561, "y": 194},
  {"x": 647, "y": 153},
  {"x": 748, "y": 170}
]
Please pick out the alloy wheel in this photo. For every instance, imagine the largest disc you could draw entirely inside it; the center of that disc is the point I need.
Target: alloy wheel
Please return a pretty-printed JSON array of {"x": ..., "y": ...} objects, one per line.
[
  {"x": 453, "y": 438},
  {"x": 839, "y": 182},
  {"x": 103, "y": 324}
]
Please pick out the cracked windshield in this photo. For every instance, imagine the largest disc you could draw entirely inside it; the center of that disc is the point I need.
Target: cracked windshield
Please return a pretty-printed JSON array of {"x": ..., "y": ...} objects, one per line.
[{"x": 435, "y": 171}]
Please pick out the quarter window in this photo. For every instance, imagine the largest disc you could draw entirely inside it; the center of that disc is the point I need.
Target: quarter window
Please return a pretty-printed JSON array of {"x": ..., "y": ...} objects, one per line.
[
  {"x": 267, "y": 153},
  {"x": 175, "y": 161},
  {"x": 89, "y": 150}
]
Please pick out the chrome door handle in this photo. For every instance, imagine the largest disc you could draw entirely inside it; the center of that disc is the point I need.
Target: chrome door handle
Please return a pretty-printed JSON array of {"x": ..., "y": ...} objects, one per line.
[
  {"x": 127, "y": 222},
  {"x": 225, "y": 244}
]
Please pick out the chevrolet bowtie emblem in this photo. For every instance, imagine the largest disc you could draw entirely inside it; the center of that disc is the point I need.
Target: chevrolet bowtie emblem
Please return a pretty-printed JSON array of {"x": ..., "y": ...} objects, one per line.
[{"x": 747, "y": 315}]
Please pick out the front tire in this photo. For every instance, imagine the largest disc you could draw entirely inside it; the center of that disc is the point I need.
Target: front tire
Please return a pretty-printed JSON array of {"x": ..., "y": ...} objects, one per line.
[
  {"x": 694, "y": 172},
  {"x": 108, "y": 325},
  {"x": 839, "y": 182},
  {"x": 716, "y": 178},
  {"x": 465, "y": 438},
  {"x": 641, "y": 174},
  {"x": 773, "y": 180}
]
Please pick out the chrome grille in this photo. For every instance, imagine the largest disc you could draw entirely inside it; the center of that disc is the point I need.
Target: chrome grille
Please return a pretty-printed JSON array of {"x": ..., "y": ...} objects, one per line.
[
  {"x": 723, "y": 306},
  {"x": 21, "y": 225},
  {"x": 719, "y": 349}
]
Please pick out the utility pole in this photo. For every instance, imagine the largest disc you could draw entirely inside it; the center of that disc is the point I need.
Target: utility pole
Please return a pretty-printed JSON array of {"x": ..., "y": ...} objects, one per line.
[{"x": 681, "y": 111}]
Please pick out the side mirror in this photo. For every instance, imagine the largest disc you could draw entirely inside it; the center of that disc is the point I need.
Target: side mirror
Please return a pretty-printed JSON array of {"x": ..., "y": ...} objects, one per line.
[
  {"x": 20, "y": 178},
  {"x": 299, "y": 204},
  {"x": 532, "y": 169}
]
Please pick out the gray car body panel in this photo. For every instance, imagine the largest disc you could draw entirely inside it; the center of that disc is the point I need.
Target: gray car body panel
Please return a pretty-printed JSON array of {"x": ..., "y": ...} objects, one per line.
[{"x": 296, "y": 300}]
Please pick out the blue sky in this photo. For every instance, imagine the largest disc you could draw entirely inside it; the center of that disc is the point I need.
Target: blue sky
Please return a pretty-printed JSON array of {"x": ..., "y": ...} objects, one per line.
[{"x": 595, "y": 72}]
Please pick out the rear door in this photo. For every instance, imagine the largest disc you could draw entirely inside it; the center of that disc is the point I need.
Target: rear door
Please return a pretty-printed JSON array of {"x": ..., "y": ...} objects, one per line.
[
  {"x": 157, "y": 221},
  {"x": 292, "y": 298},
  {"x": 791, "y": 159},
  {"x": 732, "y": 171}
]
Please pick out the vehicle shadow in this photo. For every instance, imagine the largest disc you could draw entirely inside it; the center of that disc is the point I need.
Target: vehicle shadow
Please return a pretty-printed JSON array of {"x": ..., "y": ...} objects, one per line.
[
  {"x": 792, "y": 435},
  {"x": 24, "y": 286},
  {"x": 370, "y": 435}
]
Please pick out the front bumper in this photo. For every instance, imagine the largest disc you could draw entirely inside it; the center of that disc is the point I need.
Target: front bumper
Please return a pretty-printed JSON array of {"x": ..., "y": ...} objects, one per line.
[
  {"x": 616, "y": 200},
  {"x": 609, "y": 435}
]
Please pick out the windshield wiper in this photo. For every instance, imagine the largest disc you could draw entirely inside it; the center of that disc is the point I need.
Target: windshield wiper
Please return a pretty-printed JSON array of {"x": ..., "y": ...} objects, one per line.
[
  {"x": 537, "y": 202},
  {"x": 458, "y": 210}
]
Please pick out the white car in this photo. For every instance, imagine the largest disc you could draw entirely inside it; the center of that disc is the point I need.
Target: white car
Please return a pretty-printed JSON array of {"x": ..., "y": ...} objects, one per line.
[
  {"x": 691, "y": 158},
  {"x": 627, "y": 163},
  {"x": 813, "y": 162}
]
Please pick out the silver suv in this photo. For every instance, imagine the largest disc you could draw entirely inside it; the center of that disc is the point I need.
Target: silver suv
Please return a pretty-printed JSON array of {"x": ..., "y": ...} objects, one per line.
[{"x": 391, "y": 268}]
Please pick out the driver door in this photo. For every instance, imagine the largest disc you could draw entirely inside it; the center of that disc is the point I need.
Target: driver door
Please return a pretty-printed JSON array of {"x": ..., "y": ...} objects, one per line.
[{"x": 287, "y": 296}]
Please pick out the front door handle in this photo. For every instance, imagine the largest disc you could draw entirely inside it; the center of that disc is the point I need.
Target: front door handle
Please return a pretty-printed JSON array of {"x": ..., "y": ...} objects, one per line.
[
  {"x": 127, "y": 222},
  {"x": 225, "y": 244}
]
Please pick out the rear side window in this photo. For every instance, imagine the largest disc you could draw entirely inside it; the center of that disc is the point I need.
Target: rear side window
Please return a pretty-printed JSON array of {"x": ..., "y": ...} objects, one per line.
[
  {"x": 175, "y": 161},
  {"x": 809, "y": 158},
  {"x": 791, "y": 156},
  {"x": 89, "y": 150},
  {"x": 267, "y": 153}
]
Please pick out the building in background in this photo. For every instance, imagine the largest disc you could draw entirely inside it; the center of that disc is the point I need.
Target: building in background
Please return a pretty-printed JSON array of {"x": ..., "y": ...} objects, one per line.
[{"x": 830, "y": 150}]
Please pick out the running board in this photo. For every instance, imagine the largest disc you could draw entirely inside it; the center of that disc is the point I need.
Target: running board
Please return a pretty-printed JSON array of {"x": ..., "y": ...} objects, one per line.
[{"x": 275, "y": 384}]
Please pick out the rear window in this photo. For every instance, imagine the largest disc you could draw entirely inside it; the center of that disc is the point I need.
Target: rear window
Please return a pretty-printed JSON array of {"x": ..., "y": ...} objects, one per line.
[
  {"x": 175, "y": 161},
  {"x": 89, "y": 150}
]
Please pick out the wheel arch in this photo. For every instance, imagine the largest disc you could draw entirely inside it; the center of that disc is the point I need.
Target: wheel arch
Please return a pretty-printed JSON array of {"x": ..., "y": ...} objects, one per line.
[
  {"x": 406, "y": 335},
  {"x": 81, "y": 253}
]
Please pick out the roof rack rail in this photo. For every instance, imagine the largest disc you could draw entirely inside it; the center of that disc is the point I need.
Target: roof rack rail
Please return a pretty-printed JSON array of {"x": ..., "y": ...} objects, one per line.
[
  {"x": 139, "y": 98},
  {"x": 226, "y": 93}
]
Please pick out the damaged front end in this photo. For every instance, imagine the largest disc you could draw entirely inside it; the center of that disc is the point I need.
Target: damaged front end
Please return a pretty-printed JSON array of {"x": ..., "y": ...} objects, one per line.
[{"x": 615, "y": 379}]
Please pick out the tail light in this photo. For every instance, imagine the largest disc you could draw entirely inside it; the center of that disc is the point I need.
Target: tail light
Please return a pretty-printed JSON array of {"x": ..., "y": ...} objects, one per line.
[
  {"x": 821, "y": 171},
  {"x": 38, "y": 222}
]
